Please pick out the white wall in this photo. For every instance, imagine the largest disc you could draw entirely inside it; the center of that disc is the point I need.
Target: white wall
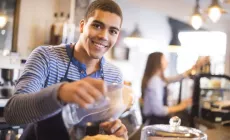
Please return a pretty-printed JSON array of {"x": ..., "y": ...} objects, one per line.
[
  {"x": 227, "y": 56},
  {"x": 35, "y": 19},
  {"x": 153, "y": 26}
]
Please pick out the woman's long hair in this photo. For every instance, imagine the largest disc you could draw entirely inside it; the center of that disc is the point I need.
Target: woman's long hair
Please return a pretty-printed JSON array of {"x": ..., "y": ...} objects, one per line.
[{"x": 152, "y": 66}]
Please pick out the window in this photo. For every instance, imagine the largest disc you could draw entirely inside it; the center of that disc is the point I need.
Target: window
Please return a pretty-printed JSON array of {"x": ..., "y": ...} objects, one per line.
[{"x": 205, "y": 43}]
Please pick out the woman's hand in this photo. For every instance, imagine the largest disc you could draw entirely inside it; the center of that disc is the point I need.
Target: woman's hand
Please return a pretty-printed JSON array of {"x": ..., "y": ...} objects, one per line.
[
  {"x": 200, "y": 62},
  {"x": 182, "y": 106},
  {"x": 189, "y": 71},
  {"x": 115, "y": 128}
]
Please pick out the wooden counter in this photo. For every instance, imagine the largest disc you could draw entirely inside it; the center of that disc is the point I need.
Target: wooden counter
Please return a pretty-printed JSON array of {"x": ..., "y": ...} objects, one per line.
[{"x": 215, "y": 131}]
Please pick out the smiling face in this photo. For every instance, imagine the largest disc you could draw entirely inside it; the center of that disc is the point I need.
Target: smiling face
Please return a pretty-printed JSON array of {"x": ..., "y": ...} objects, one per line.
[{"x": 99, "y": 33}]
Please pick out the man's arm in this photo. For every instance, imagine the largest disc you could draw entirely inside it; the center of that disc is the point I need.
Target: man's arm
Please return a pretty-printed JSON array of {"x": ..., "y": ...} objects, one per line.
[{"x": 31, "y": 101}]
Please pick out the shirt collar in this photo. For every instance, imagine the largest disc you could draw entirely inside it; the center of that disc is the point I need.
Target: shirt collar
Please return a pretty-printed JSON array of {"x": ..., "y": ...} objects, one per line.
[{"x": 78, "y": 63}]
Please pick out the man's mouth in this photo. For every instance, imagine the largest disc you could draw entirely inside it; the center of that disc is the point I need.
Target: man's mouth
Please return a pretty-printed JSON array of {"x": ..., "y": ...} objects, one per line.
[{"x": 99, "y": 45}]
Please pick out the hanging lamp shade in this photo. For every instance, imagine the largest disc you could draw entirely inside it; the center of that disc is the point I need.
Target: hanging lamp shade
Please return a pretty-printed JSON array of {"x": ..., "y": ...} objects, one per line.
[
  {"x": 3, "y": 20},
  {"x": 135, "y": 37},
  {"x": 215, "y": 11},
  {"x": 136, "y": 32},
  {"x": 196, "y": 19},
  {"x": 174, "y": 44},
  {"x": 3, "y": 15},
  {"x": 175, "y": 40}
]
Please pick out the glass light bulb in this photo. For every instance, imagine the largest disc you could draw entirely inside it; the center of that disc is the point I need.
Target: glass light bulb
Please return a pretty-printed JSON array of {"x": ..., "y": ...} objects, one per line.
[
  {"x": 3, "y": 21},
  {"x": 214, "y": 13},
  {"x": 196, "y": 21}
]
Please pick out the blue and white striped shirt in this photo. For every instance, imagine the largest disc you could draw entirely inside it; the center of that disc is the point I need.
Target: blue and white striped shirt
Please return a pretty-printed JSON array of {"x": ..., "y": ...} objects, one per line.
[{"x": 36, "y": 89}]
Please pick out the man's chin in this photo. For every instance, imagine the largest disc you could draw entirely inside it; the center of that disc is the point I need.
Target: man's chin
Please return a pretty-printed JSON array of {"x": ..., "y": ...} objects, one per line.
[{"x": 93, "y": 56}]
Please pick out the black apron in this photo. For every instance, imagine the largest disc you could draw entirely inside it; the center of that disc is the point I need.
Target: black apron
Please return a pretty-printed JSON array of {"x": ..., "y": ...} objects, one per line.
[{"x": 53, "y": 128}]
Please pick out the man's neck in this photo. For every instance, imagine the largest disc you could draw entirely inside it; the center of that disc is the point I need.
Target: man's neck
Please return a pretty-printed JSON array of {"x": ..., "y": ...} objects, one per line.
[{"x": 81, "y": 55}]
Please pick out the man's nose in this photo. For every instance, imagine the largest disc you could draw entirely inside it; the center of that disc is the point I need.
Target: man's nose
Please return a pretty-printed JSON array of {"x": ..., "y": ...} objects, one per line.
[{"x": 104, "y": 35}]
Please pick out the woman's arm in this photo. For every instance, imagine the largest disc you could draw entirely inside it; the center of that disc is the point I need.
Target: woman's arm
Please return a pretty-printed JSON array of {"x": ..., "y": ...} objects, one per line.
[
  {"x": 173, "y": 79},
  {"x": 179, "y": 77},
  {"x": 153, "y": 100},
  {"x": 182, "y": 106}
]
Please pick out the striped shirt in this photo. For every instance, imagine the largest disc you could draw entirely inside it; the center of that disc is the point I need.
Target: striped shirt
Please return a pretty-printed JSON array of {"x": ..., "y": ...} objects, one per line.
[{"x": 37, "y": 87}]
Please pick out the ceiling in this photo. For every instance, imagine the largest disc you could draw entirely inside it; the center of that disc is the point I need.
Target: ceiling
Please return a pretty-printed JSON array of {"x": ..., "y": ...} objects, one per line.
[
  {"x": 182, "y": 10},
  {"x": 204, "y": 4}
]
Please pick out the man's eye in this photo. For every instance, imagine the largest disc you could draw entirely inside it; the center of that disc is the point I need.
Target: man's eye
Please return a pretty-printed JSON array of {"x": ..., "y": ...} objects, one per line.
[
  {"x": 114, "y": 32},
  {"x": 97, "y": 26}
]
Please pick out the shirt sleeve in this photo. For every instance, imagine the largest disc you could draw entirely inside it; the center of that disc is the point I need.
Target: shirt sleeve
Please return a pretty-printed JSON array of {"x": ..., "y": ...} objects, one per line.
[
  {"x": 119, "y": 78},
  {"x": 32, "y": 102},
  {"x": 153, "y": 99}
]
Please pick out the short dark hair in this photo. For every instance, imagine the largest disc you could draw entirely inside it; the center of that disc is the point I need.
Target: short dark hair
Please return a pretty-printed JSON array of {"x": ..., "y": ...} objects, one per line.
[{"x": 104, "y": 5}]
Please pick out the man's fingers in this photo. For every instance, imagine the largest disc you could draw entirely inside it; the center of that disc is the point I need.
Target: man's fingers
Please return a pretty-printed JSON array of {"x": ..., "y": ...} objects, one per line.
[
  {"x": 104, "y": 124},
  {"x": 85, "y": 96},
  {"x": 115, "y": 126},
  {"x": 78, "y": 100},
  {"x": 111, "y": 126},
  {"x": 95, "y": 93},
  {"x": 98, "y": 84},
  {"x": 121, "y": 131}
]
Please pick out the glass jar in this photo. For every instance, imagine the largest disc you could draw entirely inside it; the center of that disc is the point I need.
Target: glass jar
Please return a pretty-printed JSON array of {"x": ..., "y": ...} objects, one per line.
[
  {"x": 76, "y": 119},
  {"x": 171, "y": 132}
]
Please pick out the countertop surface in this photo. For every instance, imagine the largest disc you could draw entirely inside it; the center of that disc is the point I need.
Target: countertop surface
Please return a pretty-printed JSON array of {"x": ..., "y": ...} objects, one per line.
[
  {"x": 3, "y": 102},
  {"x": 214, "y": 131}
]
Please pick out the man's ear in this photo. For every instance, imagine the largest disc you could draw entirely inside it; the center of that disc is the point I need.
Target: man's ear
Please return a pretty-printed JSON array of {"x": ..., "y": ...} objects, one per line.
[{"x": 81, "y": 25}]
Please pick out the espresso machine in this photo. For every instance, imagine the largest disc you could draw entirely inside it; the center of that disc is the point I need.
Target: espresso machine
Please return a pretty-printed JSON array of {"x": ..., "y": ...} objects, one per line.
[{"x": 7, "y": 83}]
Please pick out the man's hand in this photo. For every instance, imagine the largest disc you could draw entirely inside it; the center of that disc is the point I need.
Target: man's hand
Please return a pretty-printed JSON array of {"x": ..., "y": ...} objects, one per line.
[
  {"x": 115, "y": 128},
  {"x": 82, "y": 92}
]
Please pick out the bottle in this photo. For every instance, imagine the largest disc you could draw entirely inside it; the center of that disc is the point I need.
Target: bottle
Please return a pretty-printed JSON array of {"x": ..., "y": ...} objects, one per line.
[
  {"x": 10, "y": 135},
  {"x": 53, "y": 31},
  {"x": 20, "y": 131},
  {"x": 66, "y": 30},
  {"x": 60, "y": 26},
  {"x": 62, "y": 17},
  {"x": 208, "y": 66},
  {"x": 69, "y": 29}
]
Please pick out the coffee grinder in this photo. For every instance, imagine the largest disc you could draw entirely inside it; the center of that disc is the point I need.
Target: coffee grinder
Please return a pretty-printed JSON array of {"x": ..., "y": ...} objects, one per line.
[{"x": 7, "y": 86}]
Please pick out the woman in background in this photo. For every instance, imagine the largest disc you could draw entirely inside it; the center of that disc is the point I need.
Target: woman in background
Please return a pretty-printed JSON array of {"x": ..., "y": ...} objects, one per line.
[{"x": 154, "y": 95}]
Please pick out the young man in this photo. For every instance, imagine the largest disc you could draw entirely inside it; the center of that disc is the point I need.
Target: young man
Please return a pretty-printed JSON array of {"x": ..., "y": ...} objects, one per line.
[{"x": 45, "y": 87}]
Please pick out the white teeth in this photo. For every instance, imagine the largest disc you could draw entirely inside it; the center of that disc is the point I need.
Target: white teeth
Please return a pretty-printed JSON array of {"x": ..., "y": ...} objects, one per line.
[{"x": 99, "y": 45}]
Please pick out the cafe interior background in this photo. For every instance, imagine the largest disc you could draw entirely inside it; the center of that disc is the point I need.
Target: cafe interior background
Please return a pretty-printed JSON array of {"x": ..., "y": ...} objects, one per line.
[{"x": 183, "y": 30}]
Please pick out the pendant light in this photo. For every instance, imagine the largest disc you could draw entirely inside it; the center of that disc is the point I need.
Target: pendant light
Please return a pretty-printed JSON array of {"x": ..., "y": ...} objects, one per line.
[
  {"x": 136, "y": 33},
  {"x": 196, "y": 19},
  {"x": 3, "y": 20},
  {"x": 174, "y": 44},
  {"x": 215, "y": 11},
  {"x": 3, "y": 16},
  {"x": 134, "y": 38}
]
